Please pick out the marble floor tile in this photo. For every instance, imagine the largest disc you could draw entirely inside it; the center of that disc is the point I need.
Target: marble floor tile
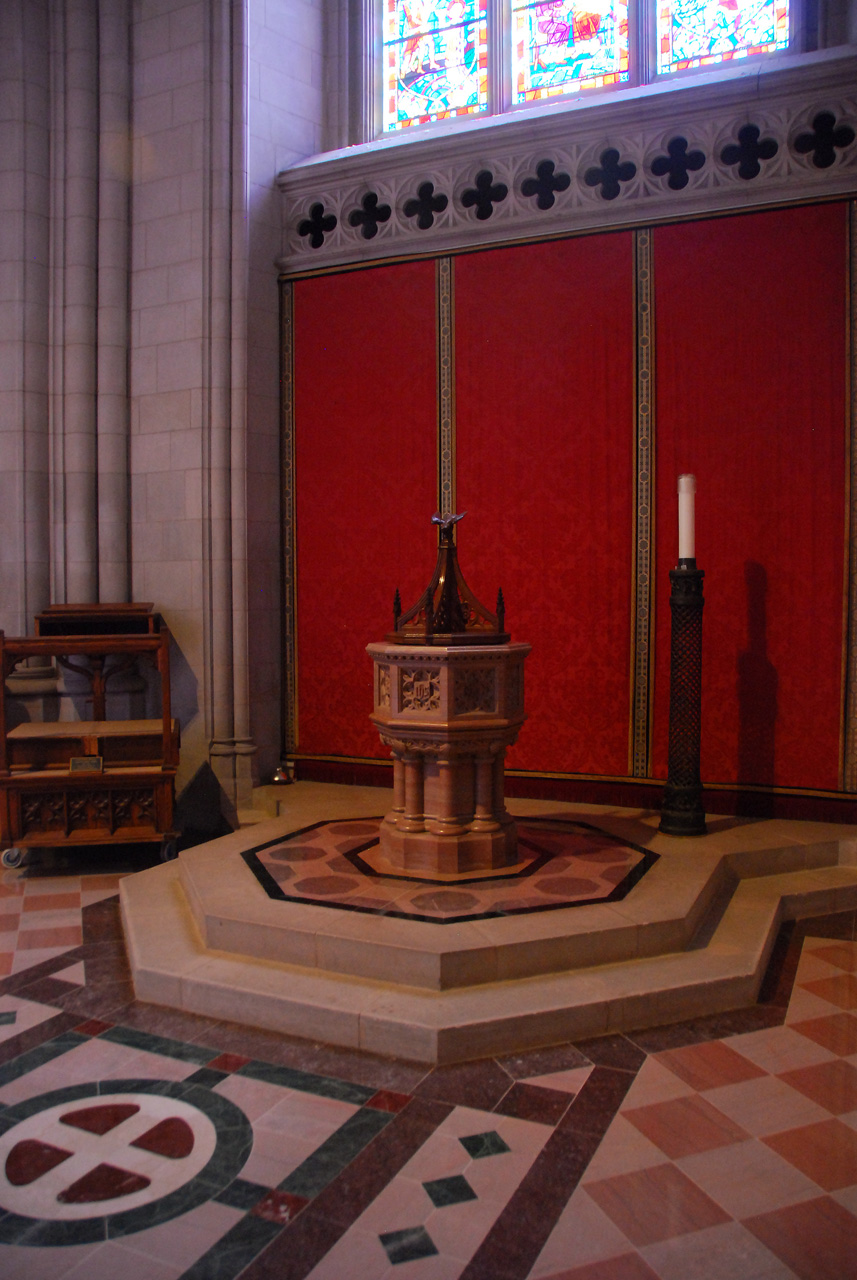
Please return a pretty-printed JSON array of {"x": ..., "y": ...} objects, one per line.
[
  {"x": 74, "y": 973},
  {"x": 115, "y": 1259},
  {"x": 785, "y": 1048},
  {"x": 748, "y": 1178},
  {"x": 685, "y": 1126},
  {"x": 17, "y": 1015},
  {"x": 627, "y": 1266},
  {"x": 726, "y": 1252},
  {"x": 707, "y": 1066},
  {"x": 655, "y": 1204},
  {"x": 623, "y": 1149},
  {"x": 840, "y": 989},
  {"x": 50, "y": 902},
  {"x": 833, "y": 1085},
  {"x": 29, "y": 958},
  {"x": 825, "y": 1152},
  {"x": 816, "y": 1239},
  {"x": 655, "y": 1083},
  {"x": 26, "y": 1263},
  {"x": 570, "y": 1081},
  {"x": 583, "y": 1235},
  {"x": 842, "y": 955},
  {"x": 765, "y": 1106},
  {"x": 804, "y": 1005},
  {"x": 62, "y": 936},
  {"x": 837, "y": 1032}
]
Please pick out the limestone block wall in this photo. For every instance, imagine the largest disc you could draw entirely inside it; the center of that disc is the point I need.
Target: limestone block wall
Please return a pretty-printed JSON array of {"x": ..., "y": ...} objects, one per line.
[
  {"x": 138, "y": 306},
  {"x": 285, "y": 110}
]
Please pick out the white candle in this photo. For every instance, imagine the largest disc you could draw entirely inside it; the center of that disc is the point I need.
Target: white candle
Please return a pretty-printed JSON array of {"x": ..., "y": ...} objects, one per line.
[{"x": 686, "y": 539}]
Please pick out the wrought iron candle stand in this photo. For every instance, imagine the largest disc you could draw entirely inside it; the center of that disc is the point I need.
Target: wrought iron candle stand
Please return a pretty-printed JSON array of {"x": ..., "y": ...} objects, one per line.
[{"x": 681, "y": 811}]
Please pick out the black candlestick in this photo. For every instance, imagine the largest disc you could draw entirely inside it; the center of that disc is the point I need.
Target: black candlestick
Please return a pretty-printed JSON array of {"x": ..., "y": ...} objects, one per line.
[{"x": 681, "y": 811}]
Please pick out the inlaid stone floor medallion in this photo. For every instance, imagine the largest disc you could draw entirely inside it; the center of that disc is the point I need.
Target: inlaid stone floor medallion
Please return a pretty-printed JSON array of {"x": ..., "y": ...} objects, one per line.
[
  {"x": 108, "y": 1159},
  {"x": 339, "y": 864}
]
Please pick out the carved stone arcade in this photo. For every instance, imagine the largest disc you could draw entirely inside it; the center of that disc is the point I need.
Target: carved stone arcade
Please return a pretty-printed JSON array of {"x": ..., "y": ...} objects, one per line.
[{"x": 448, "y": 701}]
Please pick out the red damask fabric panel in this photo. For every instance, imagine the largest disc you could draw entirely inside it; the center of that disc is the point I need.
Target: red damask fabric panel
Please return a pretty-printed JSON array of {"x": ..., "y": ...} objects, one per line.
[
  {"x": 365, "y": 446},
  {"x": 545, "y": 446},
  {"x": 751, "y": 385}
]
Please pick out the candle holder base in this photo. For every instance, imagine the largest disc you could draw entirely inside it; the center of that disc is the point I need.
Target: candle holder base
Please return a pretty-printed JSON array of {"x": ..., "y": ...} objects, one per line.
[{"x": 681, "y": 812}]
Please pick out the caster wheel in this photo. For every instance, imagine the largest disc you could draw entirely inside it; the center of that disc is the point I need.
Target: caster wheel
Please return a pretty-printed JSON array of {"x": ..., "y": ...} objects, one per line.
[
  {"x": 12, "y": 857},
  {"x": 169, "y": 849}
]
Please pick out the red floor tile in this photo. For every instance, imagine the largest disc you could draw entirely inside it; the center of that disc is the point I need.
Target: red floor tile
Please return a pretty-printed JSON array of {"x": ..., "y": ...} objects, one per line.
[
  {"x": 685, "y": 1126},
  {"x": 70, "y": 935},
  {"x": 229, "y": 1062},
  {"x": 707, "y": 1066},
  {"x": 52, "y": 901},
  {"x": 837, "y": 1032},
  {"x": 841, "y": 990},
  {"x": 93, "y": 1027},
  {"x": 279, "y": 1206},
  {"x": 386, "y": 1100},
  {"x": 628, "y": 1266},
  {"x": 831, "y": 1084},
  {"x": 655, "y": 1204},
  {"x": 842, "y": 954},
  {"x": 825, "y": 1152},
  {"x": 817, "y": 1239}
]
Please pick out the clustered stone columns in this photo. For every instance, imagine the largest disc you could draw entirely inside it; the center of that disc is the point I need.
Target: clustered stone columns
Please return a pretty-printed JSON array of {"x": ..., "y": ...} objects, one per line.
[{"x": 448, "y": 713}]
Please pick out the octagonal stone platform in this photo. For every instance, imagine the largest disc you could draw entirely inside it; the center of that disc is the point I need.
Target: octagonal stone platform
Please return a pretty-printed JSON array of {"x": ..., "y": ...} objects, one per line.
[{"x": 691, "y": 937}]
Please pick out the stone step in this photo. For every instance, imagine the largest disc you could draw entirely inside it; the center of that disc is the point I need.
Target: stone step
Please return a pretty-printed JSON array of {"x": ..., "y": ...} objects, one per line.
[
  {"x": 172, "y": 965},
  {"x": 677, "y": 901}
]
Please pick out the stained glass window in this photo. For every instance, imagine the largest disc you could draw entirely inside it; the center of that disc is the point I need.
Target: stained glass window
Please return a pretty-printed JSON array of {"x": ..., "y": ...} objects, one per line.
[
  {"x": 437, "y": 55},
  {"x": 699, "y": 33},
  {"x": 435, "y": 60},
  {"x": 567, "y": 45}
]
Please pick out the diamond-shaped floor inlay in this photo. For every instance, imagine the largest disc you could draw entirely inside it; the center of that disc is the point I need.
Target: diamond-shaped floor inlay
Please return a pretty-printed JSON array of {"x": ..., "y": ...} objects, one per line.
[
  {"x": 479, "y": 1145},
  {"x": 408, "y": 1245},
  {"x": 446, "y": 1191}
]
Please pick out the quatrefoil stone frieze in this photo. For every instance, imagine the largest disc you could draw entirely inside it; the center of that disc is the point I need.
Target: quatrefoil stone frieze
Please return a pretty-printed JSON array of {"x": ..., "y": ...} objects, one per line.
[
  {"x": 610, "y": 173},
  {"x": 317, "y": 225},
  {"x": 369, "y": 215},
  {"x": 425, "y": 206},
  {"x": 824, "y": 140},
  {"x": 748, "y": 152},
  {"x": 579, "y": 170}
]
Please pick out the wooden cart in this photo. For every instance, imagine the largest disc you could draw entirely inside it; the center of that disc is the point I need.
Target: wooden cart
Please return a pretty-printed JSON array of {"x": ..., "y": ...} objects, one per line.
[{"x": 99, "y": 781}]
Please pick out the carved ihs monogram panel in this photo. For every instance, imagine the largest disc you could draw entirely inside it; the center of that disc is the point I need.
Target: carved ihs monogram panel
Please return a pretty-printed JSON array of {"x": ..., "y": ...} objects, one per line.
[
  {"x": 383, "y": 685},
  {"x": 420, "y": 689},
  {"x": 475, "y": 690}
]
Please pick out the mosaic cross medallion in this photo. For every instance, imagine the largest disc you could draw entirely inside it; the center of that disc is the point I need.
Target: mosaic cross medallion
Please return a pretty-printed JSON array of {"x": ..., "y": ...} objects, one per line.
[{"x": 106, "y": 1160}]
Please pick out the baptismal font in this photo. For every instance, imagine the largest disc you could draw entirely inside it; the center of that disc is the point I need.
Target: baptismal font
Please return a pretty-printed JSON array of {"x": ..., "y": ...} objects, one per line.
[{"x": 448, "y": 701}]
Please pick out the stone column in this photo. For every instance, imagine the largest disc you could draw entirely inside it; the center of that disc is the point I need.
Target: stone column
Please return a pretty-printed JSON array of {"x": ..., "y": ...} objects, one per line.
[
  {"x": 393, "y": 817},
  {"x": 24, "y": 313},
  {"x": 74, "y": 276},
  {"x": 112, "y": 421},
  {"x": 483, "y": 815},
  {"x": 413, "y": 818},
  {"x": 224, "y": 222}
]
